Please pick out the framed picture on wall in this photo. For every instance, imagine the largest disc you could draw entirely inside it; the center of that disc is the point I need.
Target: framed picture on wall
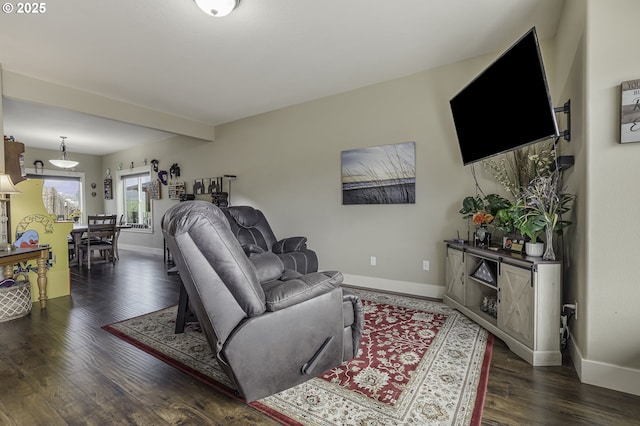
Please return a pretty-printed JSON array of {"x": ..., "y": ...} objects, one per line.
[
  {"x": 176, "y": 189},
  {"x": 199, "y": 186},
  {"x": 154, "y": 189},
  {"x": 108, "y": 190},
  {"x": 379, "y": 175},
  {"x": 630, "y": 111}
]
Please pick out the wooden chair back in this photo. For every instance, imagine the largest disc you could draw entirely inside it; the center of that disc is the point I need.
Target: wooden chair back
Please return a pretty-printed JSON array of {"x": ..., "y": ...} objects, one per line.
[
  {"x": 101, "y": 235},
  {"x": 101, "y": 228}
]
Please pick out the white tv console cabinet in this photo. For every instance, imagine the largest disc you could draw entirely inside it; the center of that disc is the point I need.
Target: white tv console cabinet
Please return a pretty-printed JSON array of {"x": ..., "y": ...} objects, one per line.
[{"x": 520, "y": 306}]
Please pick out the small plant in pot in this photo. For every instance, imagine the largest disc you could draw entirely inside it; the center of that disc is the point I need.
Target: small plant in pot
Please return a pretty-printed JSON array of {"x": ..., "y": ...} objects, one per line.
[
  {"x": 538, "y": 208},
  {"x": 531, "y": 225}
]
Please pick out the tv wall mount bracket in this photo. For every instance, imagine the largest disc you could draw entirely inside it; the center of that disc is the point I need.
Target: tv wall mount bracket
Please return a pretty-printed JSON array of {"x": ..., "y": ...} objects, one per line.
[{"x": 566, "y": 108}]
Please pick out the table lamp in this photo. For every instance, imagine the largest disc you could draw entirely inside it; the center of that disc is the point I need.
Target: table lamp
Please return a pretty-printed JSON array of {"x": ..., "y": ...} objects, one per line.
[{"x": 6, "y": 188}]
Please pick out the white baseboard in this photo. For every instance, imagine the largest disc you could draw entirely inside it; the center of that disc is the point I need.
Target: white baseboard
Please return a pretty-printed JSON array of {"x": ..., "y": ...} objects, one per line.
[
  {"x": 406, "y": 287},
  {"x": 141, "y": 249},
  {"x": 610, "y": 376}
]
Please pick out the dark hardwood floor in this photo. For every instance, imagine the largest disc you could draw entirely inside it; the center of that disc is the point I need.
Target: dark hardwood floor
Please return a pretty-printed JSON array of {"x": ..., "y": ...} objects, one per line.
[{"x": 58, "y": 367}]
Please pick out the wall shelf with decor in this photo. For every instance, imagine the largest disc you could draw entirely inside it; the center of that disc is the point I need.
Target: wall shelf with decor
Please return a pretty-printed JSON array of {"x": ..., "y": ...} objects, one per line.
[
  {"x": 176, "y": 189},
  {"x": 515, "y": 297}
]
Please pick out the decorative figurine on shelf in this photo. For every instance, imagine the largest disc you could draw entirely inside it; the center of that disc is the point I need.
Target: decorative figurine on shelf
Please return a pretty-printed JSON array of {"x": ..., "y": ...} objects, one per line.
[
  {"x": 490, "y": 305},
  {"x": 482, "y": 236}
]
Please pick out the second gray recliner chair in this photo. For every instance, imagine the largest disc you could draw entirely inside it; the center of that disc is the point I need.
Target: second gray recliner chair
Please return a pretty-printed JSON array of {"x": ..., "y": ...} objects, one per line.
[
  {"x": 270, "y": 328},
  {"x": 255, "y": 235}
]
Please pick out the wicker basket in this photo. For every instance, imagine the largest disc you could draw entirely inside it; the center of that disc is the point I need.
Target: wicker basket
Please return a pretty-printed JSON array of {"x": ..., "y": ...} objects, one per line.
[{"x": 15, "y": 301}]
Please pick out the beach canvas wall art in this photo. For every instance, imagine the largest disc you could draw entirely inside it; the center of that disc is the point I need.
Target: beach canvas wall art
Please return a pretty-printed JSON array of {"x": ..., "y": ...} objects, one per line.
[{"x": 380, "y": 175}]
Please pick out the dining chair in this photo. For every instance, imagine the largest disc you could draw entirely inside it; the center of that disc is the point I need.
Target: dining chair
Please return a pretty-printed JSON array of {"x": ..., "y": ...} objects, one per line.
[
  {"x": 100, "y": 236},
  {"x": 121, "y": 223},
  {"x": 97, "y": 218},
  {"x": 71, "y": 247}
]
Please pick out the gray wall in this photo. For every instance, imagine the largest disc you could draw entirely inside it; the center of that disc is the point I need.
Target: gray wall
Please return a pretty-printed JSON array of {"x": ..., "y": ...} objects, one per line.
[
  {"x": 288, "y": 165},
  {"x": 609, "y": 287}
]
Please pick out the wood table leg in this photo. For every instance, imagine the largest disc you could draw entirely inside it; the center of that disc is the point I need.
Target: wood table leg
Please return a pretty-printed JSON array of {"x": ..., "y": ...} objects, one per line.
[
  {"x": 42, "y": 279},
  {"x": 77, "y": 239},
  {"x": 8, "y": 271},
  {"x": 9, "y": 259}
]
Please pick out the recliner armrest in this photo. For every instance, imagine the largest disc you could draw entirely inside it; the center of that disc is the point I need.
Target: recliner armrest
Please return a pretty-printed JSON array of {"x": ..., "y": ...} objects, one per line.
[
  {"x": 287, "y": 245},
  {"x": 282, "y": 294},
  {"x": 251, "y": 249},
  {"x": 269, "y": 267}
]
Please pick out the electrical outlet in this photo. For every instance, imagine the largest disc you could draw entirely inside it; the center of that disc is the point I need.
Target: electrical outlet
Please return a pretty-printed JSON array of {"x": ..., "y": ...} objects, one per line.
[
  {"x": 425, "y": 265},
  {"x": 373, "y": 261}
]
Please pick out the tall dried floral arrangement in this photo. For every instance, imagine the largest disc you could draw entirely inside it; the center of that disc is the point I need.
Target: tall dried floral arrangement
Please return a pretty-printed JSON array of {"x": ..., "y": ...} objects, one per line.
[{"x": 515, "y": 170}]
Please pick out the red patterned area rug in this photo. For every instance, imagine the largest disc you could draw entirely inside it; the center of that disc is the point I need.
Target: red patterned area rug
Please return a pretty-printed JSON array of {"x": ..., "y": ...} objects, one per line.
[{"x": 419, "y": 363}]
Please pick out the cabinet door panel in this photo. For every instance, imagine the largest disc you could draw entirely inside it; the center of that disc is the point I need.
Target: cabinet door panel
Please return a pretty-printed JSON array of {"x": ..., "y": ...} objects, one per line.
[
  {"x": 455, "y": 275},
  {"x": 516, "y": 303}
]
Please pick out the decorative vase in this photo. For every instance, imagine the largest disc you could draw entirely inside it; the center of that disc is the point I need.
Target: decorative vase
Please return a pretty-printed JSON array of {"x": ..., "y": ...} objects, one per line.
[
  {"x": 534, "y": 249},
  {"x": 549, "y": 254},
  {"x": 483, "y": 236}
]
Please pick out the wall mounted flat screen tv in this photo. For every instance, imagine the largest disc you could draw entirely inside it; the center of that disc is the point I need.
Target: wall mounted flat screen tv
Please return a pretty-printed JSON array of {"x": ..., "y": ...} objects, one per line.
[{"x": 507, "y": 106}]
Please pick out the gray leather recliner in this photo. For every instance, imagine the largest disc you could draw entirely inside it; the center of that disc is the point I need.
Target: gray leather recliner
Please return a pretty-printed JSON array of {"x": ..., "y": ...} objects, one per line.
[
  {"x": 270, "y": 328},
  {"x": 251, "y": 228}
]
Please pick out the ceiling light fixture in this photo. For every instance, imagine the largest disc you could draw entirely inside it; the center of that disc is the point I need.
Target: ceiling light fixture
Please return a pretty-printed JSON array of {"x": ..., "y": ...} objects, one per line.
[
  {"x": 64, "y": 162},
  {"x": 217, "y": 8}
]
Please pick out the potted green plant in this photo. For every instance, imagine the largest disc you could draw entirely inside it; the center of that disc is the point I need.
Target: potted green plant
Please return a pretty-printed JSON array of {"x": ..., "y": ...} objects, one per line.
[
  {"x": 530, "y": 224},
  {"x": 474, "y": 207},
  {"x": 539, "y": 208},
  {"x": 504, "y": 221},
  {"x": 482, "y": 211}
]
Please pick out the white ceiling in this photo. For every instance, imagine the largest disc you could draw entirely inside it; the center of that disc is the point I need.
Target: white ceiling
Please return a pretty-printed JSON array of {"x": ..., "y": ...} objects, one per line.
[{"x": 171, "y": 57}]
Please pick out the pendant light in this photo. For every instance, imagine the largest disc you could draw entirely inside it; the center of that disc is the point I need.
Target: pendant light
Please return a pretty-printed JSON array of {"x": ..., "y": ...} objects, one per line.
[
  {"x": 217, "y": 8},
  {"x": 64, "y": 162}
]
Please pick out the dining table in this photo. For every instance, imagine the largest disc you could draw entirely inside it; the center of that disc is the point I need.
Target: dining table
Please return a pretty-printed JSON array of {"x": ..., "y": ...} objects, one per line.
[{"x": 80, "y": 229}]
